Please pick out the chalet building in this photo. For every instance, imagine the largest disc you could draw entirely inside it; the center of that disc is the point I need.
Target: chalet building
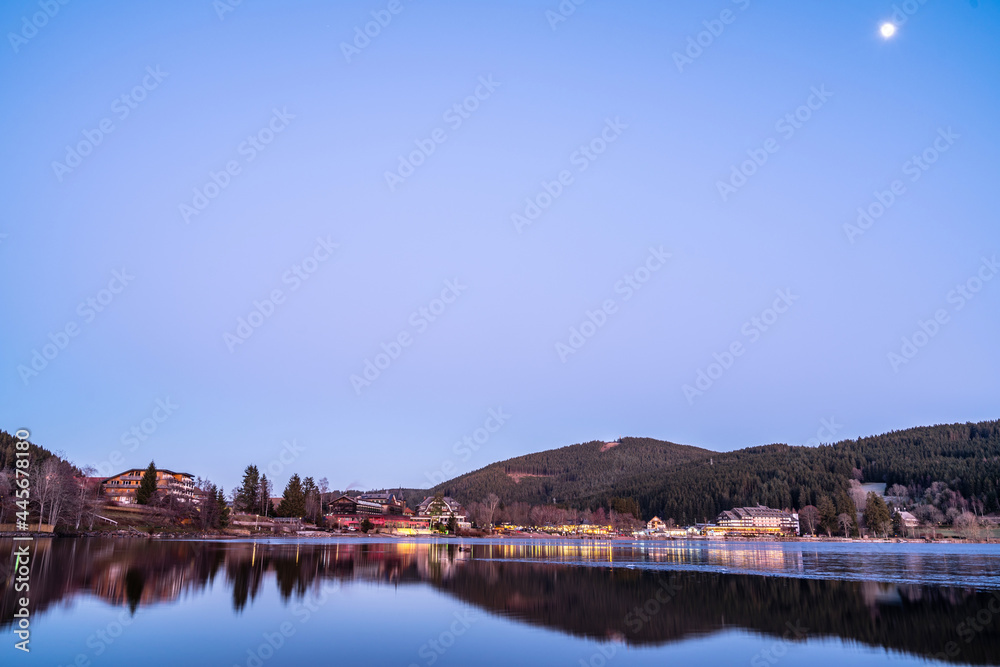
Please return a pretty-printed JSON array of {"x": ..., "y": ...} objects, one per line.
[
  {"x": 122, "y": 487},
  {"x": 441, "y": 509},
  {"x": 348, "y": 506},
  {"x": 655, "y": 524},
  {"x": 908, "y": 520},
  {"x": 758, "y": 520}
]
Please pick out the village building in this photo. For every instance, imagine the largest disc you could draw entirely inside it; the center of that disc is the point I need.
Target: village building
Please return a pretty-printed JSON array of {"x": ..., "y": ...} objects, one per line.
[
  {"x": 387, "y": 501},
  {"x": 758, "y": 520},
  {"x": 121, "y": 488},
  {"x": 345, "y": 505},
  {"x": 440, "y": 509}
]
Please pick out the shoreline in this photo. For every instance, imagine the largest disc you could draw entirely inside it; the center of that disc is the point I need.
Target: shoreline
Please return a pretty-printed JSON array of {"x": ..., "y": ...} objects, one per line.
[{"x": 318, "y": 535}]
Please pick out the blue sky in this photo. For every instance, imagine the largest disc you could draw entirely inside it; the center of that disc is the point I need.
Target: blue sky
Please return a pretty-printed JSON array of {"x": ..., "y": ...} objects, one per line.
[{"x": 694, "y": 166}]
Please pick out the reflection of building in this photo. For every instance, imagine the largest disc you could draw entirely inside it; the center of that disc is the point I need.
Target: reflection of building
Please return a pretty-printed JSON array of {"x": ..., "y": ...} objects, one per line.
[
  {"x": 758, "y": 520},
  {"x": 122, "y": 487}
]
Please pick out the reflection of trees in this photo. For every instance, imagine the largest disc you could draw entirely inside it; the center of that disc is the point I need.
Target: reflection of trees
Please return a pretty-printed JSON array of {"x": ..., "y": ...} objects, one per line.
[
  {"x": 135, "y": 581},
  {"x": 594, "y": 602}
]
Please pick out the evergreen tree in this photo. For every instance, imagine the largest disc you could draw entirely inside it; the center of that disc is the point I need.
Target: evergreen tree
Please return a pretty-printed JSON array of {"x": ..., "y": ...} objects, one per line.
[
  {"x": 876, "y": 514},
  {"x": 452, "y": 525},
  {"x": 293, "y": 500},
  {"x": 222, "y": 509},
  {"x": 264, "y": 497},
  {"x": 897, "y": 523},
  {"x": 147, "y": 487},
  {"x": 845, "y": 505},
  {"x": 827, "y": 515},
  {"x": 209, "y": 510},
  {"x": 249, "y": 491},
  {"x": 311, "y": 494}
]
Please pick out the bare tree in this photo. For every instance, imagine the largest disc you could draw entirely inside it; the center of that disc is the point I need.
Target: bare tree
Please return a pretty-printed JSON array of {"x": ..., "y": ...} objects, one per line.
[
  {"x": 898, "y": 491},
  {"x": 845, "y": 521},
  {"x": 490, "y": 503},
  {"x": 809, "y": 519},
  {"x": 967, "y": 524},
  {"x": 324, "y": 489},
  {"x": 45, "y": 483},
  {"x": 857, "y": 493}
]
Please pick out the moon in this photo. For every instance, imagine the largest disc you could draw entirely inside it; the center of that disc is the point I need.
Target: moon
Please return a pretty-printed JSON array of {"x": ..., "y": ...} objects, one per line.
[{"x": 887, "y": 30}]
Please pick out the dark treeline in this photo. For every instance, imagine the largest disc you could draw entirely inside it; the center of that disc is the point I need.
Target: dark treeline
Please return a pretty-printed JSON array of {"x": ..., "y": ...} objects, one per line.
[
  {"x": 965, "y": 456},
  {"x": 690, "y": 485}
]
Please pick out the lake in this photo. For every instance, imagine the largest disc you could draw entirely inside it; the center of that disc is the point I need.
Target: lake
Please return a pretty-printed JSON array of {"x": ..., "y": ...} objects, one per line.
[{"x": 371, "y": 601}]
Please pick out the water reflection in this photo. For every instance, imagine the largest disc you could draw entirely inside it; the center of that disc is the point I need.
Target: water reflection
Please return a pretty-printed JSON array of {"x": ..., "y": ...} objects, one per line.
[{"x": 542, "y": 584}]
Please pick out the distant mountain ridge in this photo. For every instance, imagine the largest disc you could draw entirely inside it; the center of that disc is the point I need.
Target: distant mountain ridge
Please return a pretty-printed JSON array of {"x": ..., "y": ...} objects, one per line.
[{"x": 693, "y": 484}]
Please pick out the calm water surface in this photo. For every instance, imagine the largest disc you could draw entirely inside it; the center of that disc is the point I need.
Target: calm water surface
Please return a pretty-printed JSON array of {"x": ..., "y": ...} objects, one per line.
[{"x": 358, "y": 601}]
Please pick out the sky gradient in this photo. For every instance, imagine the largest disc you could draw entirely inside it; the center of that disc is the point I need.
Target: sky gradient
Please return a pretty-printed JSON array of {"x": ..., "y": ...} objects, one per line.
[{"x": 563, "y": 222}]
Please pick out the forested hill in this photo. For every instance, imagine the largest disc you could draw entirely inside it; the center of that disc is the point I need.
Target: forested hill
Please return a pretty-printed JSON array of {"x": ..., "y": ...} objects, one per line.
[
  {"x": 571, "y": 473},
  {"x": 8, "y": 449},
  {"x": 964, "y": 456},
  {"x": 690, "y": 484}
]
